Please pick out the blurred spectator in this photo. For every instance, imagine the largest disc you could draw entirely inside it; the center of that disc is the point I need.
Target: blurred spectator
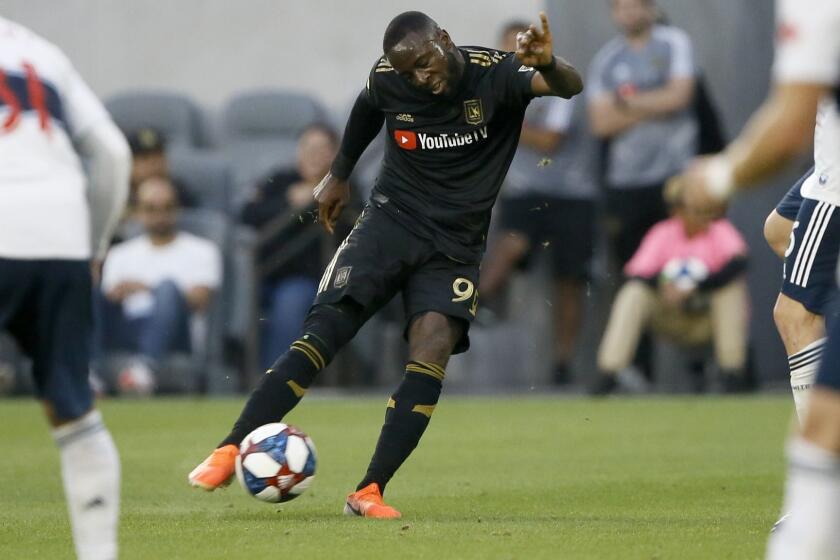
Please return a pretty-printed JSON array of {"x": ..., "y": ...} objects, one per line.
[
  {"x": 548, "y": 200},
  {"x": 686, "y": 281},
  {"x": 292, "y": 245},
  {"x": 148, "y": 150},
  {"x": 156, "y": 287},
  {"x": 640, "y": 90}
]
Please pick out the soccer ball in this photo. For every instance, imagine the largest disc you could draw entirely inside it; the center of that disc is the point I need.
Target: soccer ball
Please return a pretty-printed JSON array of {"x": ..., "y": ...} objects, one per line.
[
  {"x": 276, "y": 463},
  {"x": 685, "y": 274}
]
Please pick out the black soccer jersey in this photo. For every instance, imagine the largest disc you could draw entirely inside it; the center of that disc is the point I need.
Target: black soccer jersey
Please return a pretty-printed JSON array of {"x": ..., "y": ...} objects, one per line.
[{"x": 446, "y": 156}]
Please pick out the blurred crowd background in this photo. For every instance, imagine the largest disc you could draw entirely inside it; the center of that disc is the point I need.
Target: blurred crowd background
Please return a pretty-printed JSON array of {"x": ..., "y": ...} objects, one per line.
[{"x": 234, "y": 111}]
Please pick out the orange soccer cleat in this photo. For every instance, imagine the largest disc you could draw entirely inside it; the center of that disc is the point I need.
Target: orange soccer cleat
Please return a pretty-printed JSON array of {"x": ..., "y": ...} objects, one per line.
[
  {"x": 367, "y": 502},
  {"x": 216, "y": 470}
]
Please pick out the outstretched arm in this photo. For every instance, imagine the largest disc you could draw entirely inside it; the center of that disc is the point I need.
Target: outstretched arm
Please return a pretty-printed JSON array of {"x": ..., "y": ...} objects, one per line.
[
  {"x": 333, "y": 192},
  {"x": 778, "y": 132},
  {"x": 554, "y": 75}
]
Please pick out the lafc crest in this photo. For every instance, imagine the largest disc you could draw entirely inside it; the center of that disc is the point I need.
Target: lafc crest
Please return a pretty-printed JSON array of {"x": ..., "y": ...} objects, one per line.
[{"x": 473, "y": 111}]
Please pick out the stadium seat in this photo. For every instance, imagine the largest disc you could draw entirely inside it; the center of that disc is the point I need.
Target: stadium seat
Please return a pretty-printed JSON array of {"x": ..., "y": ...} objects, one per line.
[
  {"x": 240, "y": 301},
  {"x": 176, "y": 116},
  {"x": 207, "y": 175},
  {"x": 260, "y": 130}
]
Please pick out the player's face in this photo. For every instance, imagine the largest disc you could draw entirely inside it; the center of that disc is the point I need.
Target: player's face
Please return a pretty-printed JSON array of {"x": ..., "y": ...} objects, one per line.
[
  {"x": 157, "y": 207},
  {"x": 633, "y": 16},
  {"x": 427, "y": 61}
]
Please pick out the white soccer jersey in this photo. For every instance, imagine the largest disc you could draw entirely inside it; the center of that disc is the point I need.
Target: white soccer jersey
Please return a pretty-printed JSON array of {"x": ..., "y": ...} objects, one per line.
[
  {"x": 44, "y": 106},
  {"x": 808, "y": 51}
]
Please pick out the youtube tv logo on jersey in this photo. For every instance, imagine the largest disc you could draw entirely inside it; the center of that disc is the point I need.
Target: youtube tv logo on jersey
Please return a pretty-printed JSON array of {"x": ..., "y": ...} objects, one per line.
[{"x": 406, "y": 139}]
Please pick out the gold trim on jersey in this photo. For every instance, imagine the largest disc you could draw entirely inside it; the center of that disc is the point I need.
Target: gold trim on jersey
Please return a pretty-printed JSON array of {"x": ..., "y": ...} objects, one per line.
[{"x": 484, "y": 58}]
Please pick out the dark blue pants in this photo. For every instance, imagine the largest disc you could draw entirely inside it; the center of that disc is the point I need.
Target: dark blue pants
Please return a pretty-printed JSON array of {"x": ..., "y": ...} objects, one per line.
[{"x": 164, "y": 330}]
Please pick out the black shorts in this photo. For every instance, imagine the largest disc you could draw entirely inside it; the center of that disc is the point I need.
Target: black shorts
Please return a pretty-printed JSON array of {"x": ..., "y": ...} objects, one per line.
[
  {"x": 811, "y": 258},
  {"x": 565, "y": 228},
  {"x": 381, "y": 257},
  {"x": 46, "y": 307},
  {"x": 788, "y": 207}
]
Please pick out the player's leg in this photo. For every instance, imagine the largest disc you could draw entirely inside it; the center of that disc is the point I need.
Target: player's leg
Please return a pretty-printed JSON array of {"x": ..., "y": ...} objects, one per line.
[
  {"x": 54, "y": 328},
  {"x": 807, "y": 287},
  {"x": 432, "y": 337},
  {"x": 440, "y": 300},
  {"x": 362, "y": 276},
  {"x": 777, "y": 230},
  {"x": 812, "y": 495},
  {"x": 630, "y": 316},
  {"x": 326, "y": 329},
  {"x": 803, "y": 335}
]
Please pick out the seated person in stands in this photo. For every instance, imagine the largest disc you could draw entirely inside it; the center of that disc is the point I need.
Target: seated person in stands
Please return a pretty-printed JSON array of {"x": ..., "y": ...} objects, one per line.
[
  {"x": 686, "y": 282},
  {"x": 148, "y": 150},
  {"x": 291, "y": 245},
  {"x": 155, "y": 287}
]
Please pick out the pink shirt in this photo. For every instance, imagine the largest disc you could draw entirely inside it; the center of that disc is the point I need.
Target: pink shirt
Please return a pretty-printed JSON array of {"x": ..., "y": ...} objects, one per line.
[{"x": 667, "y": 240}]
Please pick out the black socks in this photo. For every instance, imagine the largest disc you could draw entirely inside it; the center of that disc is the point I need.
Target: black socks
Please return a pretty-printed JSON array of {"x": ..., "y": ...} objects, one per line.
[
  {"x": 328, "y": 327},
  {"x": 281, "y": 388},
  {"x": 408, "y": 413}
]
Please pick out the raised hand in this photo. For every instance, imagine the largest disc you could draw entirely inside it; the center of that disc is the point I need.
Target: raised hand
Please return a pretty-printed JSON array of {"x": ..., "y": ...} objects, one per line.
[
  {"x": 332, "y": 195},
  {"x": 533, "y": 47}
]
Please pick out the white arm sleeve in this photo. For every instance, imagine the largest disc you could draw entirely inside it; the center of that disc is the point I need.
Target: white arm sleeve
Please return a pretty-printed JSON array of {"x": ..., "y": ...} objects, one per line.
[
  {"x": 807, "y": 41},
  {"x": 110, "y": 166}
]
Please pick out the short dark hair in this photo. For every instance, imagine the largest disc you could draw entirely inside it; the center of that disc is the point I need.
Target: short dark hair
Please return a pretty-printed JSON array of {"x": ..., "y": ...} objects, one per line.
[{"x": 402, "y": 25}]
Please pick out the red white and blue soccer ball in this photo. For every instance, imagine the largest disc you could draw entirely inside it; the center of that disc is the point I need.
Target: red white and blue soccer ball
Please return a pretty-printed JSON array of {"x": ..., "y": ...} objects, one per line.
[{"x": 276, "y": 463}]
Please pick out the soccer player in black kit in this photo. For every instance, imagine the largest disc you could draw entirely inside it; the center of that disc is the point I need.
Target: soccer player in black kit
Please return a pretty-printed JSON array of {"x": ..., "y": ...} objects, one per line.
[{"x": 454, "y": 116}]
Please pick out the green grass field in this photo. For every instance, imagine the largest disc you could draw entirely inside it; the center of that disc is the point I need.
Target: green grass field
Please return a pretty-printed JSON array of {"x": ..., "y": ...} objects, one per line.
[{"x": 520, "y": 478}]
